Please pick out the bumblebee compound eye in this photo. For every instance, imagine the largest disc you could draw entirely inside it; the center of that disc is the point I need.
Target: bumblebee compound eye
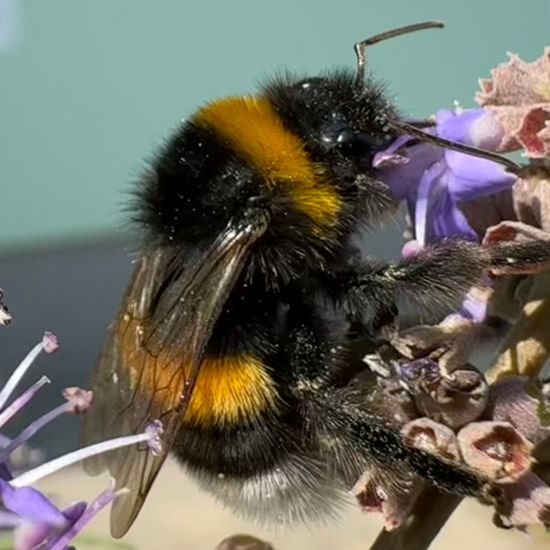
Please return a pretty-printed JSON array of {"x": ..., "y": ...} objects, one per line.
[
  {"x": 346, "y": 137},
  {"x": 351, "y": 145},
  {"x": 359, "y": 145}
]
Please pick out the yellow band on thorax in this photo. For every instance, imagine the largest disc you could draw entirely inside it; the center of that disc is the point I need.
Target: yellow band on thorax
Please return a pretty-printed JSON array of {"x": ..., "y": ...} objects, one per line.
[{"x": 252, "y": 128}]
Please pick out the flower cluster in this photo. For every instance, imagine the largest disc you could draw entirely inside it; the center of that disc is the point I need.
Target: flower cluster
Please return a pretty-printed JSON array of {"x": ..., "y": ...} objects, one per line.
[
  {"x": 36, "y": 522},
  {"x": 450, "y": 194},
  {"x": 494, "y": 424},
  {"x": 498, "y": 424},
  {"x": 492, "y": 430}
]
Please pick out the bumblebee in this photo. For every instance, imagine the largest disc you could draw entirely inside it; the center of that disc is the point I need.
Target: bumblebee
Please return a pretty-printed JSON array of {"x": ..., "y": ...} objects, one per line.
[{"x": 237, "y": 328}]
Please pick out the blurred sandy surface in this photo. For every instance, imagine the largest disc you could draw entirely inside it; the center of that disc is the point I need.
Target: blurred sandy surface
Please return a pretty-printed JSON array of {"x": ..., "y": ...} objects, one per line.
[{"x": 177, "y": 516}]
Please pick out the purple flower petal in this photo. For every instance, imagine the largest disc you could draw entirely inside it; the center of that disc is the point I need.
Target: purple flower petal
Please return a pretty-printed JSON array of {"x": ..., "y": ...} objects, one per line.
[
  {"x": 472, "y": 178},
  {"x": 449, "y": 221},
  {"x": 30, "y": 535},
  {"x": 477, "y": 127},
  {"x": 457, "y": 127},
  {"x": 429, "y": 189},
  {"x": 403, "y": 179},
  {"x": 411, "y": 249},
  {"x": 474, "y": 308},
  {"x": 434, "y": 181},
  {"x": 91, "y": 511},
  {"x": 436, "y": 214},
  {"x": 30, "y": 503}
]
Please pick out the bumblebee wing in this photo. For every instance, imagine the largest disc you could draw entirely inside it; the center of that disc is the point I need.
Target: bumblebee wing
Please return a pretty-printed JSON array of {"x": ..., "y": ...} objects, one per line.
[
  {"x": 111, "y": 383},
  {"x": 152, "y": 356}
]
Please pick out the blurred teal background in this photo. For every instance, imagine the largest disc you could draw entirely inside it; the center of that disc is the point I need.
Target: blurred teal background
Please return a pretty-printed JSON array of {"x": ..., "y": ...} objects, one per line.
[{"x": 88, "y": 89}]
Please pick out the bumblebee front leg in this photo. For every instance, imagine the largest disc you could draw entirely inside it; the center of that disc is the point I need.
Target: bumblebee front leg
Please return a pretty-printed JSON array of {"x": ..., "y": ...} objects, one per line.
[{"x": 434, "y": 280}]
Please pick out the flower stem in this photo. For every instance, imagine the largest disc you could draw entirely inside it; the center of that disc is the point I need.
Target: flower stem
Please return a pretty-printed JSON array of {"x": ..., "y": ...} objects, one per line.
[
  {"x": 34, "y": 427},
  {"x": 22, "y": 400},
  {"x": 34, "y": 475},
  {"x": 18, "y": 373},
  {"x": 430, "y": 512},
  {"x": 527, "y": 346}
]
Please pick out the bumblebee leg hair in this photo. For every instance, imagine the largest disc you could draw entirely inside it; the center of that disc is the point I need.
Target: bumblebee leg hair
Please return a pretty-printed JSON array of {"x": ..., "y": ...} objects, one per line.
[
  {"x": 382, "y": 443},
  {"x": 437, "y": 279},
  {"x": 519, "y": 258},
  {"x": 434, "y": 280},
  {"x": 350, "y": 429}
]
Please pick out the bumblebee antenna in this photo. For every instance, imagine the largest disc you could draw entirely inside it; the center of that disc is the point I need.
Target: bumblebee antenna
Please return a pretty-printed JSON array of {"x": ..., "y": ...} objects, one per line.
[
  {"x": 413, "y": 130},
  {"x": 360, "y": 47}
]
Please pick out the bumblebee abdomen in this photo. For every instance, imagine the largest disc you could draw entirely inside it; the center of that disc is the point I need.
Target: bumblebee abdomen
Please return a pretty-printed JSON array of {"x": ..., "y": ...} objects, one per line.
[{"x": 264, "y": 470}]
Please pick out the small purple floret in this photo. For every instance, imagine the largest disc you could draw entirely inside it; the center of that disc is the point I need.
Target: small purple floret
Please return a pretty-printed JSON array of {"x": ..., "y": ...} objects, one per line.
[
  {"x": 29, "y": 503},
  {"x": 37, "y": 521},
  {"x": 435, "y": 181},
  {"x": 50, "y": 342},
  {"x": 155, "y": 431}
]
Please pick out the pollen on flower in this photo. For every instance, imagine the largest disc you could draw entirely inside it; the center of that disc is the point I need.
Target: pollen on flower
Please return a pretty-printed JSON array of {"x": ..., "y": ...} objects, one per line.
[
  {"x": 155, "y": 430},
  {"x": 497, "y": 449}
]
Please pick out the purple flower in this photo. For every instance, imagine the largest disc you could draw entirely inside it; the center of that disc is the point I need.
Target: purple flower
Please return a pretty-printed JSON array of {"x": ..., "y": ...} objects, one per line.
[
  {"x": 38, "y": 522},
  {"x": 435, "y": 181}
]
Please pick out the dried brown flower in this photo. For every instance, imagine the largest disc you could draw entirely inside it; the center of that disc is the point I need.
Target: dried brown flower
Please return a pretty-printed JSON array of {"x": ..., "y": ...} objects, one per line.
[
  {"x": 519, "y": 95},
  {"x": 496, "y": 450},
  {"x": 392, "y": 497},
  {"x": 524, "y": 503},
  {"x": 432, "y": 437}
]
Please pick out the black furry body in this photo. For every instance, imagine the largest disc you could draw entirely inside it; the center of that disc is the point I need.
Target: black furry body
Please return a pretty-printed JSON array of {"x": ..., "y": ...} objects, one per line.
[{"x": 295, "y": 304}]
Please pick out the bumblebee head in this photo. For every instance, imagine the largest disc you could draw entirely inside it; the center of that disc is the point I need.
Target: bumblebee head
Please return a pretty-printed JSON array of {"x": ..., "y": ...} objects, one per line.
[
  {"x": 255, "y": 157},
  {"x": 342, "y": 125},
  {"x": 298, "y": 156}
]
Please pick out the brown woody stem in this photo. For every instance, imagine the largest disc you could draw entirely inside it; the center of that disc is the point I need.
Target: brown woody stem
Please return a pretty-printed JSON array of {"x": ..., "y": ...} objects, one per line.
[{"x": 430, "y": 512}]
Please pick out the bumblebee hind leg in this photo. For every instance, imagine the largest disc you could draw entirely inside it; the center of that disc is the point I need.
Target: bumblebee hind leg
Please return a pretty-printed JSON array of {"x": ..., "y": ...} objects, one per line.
[{"x": 348, "y": 427}]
